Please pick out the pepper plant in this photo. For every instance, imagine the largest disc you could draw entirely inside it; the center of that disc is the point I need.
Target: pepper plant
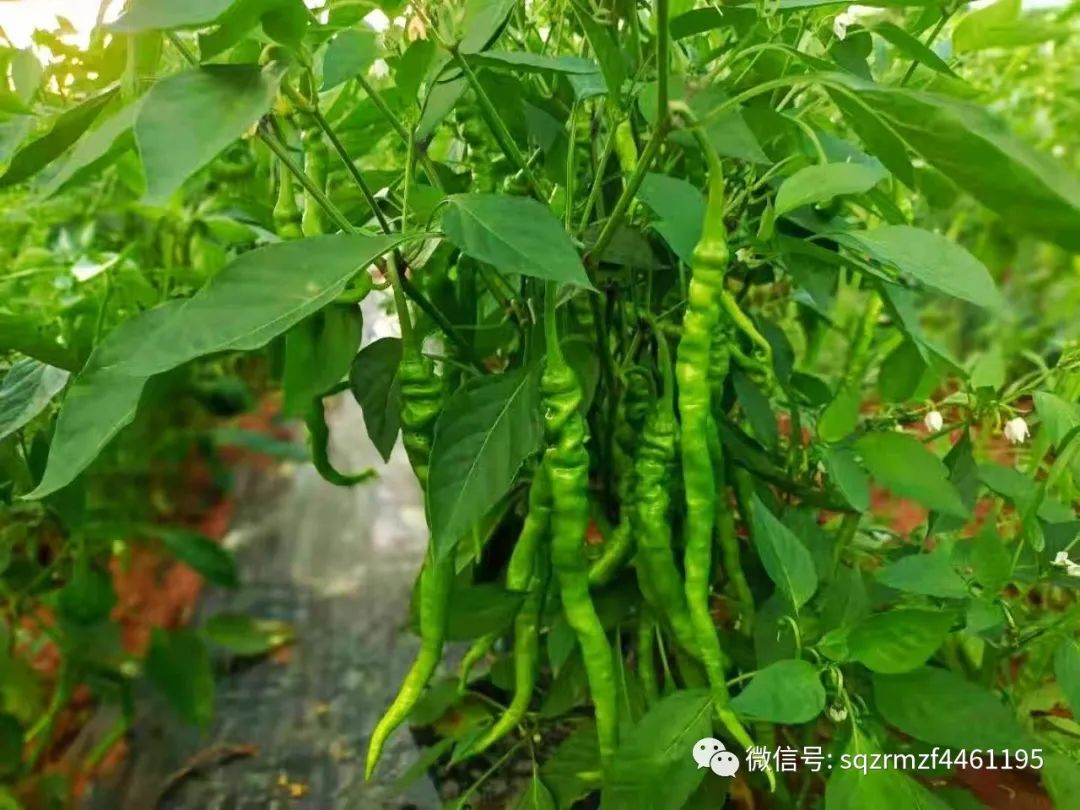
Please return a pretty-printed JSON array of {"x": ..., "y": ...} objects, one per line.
[{"x": 700, "y": 366}]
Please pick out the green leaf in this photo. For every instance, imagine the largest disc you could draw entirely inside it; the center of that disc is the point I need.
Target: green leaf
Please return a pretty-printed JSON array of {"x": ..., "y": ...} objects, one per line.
[
  {"x": 483, "y": 436},
  {"x": 566, "y": 771},
  {"x": 178, "y": 664},
  {"x": 11, "y": 748},
  {"x": 901, "y": 372},
  {"x": 26, "y": 390},
  {"x": 1059, "y": 417},
  {"x": 851, "y": 479},
  {"x": 971, "y": 147},
  {"x": 374, "y": 382},
  {"x": 95, "y": 149},
  {"x": 841, "y": 416},
  {"x": 653, "y": 768},
  {"x": 819, "y": 184},
  {"x": 942, "y": 708},
  {"x": 999, "y": 25},
  {"x": 529, "y": 62},
  {"x": 536, "y": 797},
  {"x": 989, "y": 371},
  {"x": 880, "y": 789},
  {"x": 755, "y": 405},
  {"x": 87, "y": 598},
  {"x": 30, "y": 337},
  {"x": 788, "y": 691},
  {"x": 349, "y": 53},
  {"x": 604, "y": 48},
  {"x": 680, "y": 208},
  {"x": 902, "y": 464},
  {"x": 68, "y": 128},
  {"x": 910, "y": 46},
  {"x": 245, "y": 635},
  {"x": 990, "y": 560},
  {"x": 482, "y": 23},
  {"x": 924, "y": 574},
  {"x": 204, "y": 555},
  {"x": 1022, "y": 490},
  {"x": 318, "y": 352},
  {"x": 263, "y": 292},
  {"x": 240, "y": 95},
  {"x": 144, "y": 15},
  {"x": 1067, "y": 672},
  {"x": 479, "y": 610},
  {"x": 516, "y": 235},
  {"x": 787, "y": 561},
  {"x": 934, "y": 260},
  {"x": 900, "y": 639}
]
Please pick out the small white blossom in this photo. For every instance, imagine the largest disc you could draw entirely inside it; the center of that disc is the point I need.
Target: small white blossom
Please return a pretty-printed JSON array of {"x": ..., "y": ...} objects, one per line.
[
  {"x": 379, "y": 69},
  {"x": 934, "y": 421},
  {"x": 1061, "y": 560},
  {"x": 841, "y": 22},
  {"x": 1016, "y": 430},
  {"x": 837, "y": 712},
  {"x": 1058, "y": 150}
]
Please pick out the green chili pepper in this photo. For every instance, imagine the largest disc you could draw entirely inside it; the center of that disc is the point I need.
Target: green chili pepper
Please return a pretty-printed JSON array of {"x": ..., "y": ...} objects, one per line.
[
  {"x": 316, "y": 160},
  {"x": 729, "y": 542},
  {"x": 646, "y": 652},
  {"x": 519, "y": 571},
  {"x": 567, "y": 463},
  {"x": 286, "y": 211},
  {"x": 702, "y": 316},
  {"x": 652, "y": 506},
  {"x": 625, "y": 147},
  {"x": 319, "y": 431},
  {"x": 421, "y": 393},
  {"x": 526, "y": 653},
  {"x": 477, "y": 651}
]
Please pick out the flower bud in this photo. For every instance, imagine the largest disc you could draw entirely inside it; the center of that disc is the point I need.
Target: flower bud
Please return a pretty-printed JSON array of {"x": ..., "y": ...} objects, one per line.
[
  {"x": 1016, "y": 430},
  {"x": 934, "y": 421}
]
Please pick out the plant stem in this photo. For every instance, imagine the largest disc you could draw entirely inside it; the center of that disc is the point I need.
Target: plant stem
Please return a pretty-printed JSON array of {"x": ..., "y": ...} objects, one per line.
[
  {"x": 551, "y": 327},
  {"x": 496, "y": 125},
  {"x": 929, "y": 41},
  {"x": 663, "y": 58},
  {"x": 618, "y": 213}
]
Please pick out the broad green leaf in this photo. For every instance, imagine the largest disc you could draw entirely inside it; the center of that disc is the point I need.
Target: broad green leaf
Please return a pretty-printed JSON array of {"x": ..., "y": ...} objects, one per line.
[
  {"x": 964, "y": 475},
  {"x": 374, "y": 382},
  {"x": 1000, "y": 25},
  {"x": 929, "y": 574},
  {"x": 942, "y": 708},
  {"x": 482, "y": 23},
  {"x": 1067, "y": 672},
  {"x": 680, "y": 210},
  {"x": 68, "y": 128},
  {"x": 653, "y": 768},
  {"x": 281, "y": 21},
  {"x": 928, "y": 257},
  {"x": 25, "y": 391},
  {"x": 901, "y": 372},
  {"x": 483, "y": 436},
  {"x": 989, "y": 370},
  {"x": 536, "y": 797},
  {"x": 990, "y": 561},
  {"x": 910, "y": 46},
  {"x": 101, "y": 400},
  {"x": 604, "y": 48},
  {"x": 728, "y": 132},
  {"x": 1059, "y": 417},
  {"x": 514, "y": 234},
  {"x": 95, "y": 148},
  {"x": 26, "y": 73},
  {"x": 529, "y": 62},
  {"x": 900, "y": 639},
  {"x": 819, "y": 184},
  {"x": 755, "y": 405},
  {"x": 479, "y": 610},
  {"x": 178, "y": 664},
  {"x": 566, "y": 771},
  {"x": 204, "y": 555},
  {"x": 841, "y": 416},
  {"x": 876, "y": 135},
  {"x": 245, "y": 635},
  {"x": 902, "y": 463},
  {"x": 143, "y": 15},
  {"x": 845, "y": 472},
  {"x": 254, "y": 299},
  {"x": 240, "y": 95},
  {"x": 1061, "y": 777},
  {"x": 971, "y": 147},
  {"x": 1021, "y": 490},
  {"x": 11, "y": 756},
  {"x": 349, "y": 53},
  {"x": 788, "y": 691},
  {"x": 879, "y": 789},
  {"x": 318, "y": 352},
  {"x": 787, "y": 561}
]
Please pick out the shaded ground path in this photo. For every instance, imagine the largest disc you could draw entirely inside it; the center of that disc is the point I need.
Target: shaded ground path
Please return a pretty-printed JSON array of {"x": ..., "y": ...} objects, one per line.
[{"x": 338, "y": 564}]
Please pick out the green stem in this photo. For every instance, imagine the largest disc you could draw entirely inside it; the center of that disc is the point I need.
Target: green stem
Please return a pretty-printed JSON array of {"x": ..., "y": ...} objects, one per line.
[
  {"x": 551, "y": 328},
  {"x": 598, "y": 179},
  {"x": 663, "y": 59},
  {"x": 929, "y": 41}
]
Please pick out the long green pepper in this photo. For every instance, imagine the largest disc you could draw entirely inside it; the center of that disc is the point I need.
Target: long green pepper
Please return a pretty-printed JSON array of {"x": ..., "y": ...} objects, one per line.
[
  {"x": 702, "y": 316},
  {"x": 567, "y": 464},
  {"x": 421, "y": 393},
  {"x": 316, "y": 161}
]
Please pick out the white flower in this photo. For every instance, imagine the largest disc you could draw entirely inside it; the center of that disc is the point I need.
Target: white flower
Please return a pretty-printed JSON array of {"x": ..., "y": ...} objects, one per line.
[
  {"x": 934, "y": 421},
  {"x": 379, "y": 69},
  {"x": 1061, "y": 560},
  {"x": 1058, "y": 151},
  {"x": 1072, "y": 569},
  {"x": 1016, "y": 430},
  {"x": 841, "y": 22},
  {"x": 837, "y": 712}
]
